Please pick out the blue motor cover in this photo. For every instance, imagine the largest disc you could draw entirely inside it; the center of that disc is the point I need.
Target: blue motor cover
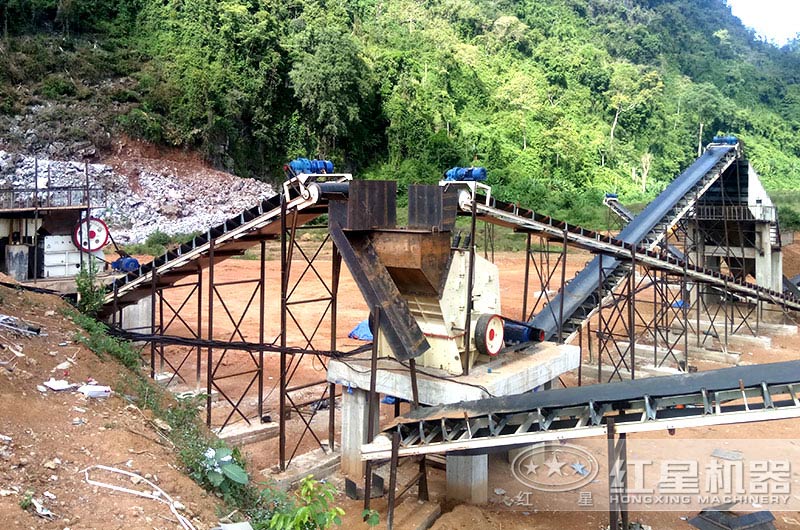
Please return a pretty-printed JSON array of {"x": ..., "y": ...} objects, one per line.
[
  {"x": 304, "y": 165},
  {"x": 125, "y": 264},
  {"x": 725, "y": 140},
  {"x": 466, "y": 173}
]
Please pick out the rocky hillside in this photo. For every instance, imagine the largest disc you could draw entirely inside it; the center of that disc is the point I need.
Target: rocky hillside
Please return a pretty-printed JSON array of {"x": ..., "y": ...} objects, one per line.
[{"x": 139, "y": 195}]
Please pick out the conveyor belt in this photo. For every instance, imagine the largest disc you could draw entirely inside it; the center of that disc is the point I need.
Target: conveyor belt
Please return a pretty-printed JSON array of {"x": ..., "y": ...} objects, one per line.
[
  {"x": 581, "y": 296},
  {"x": 306, "y": 197},
  {"x": 627, "y": 217},
  {"x": 614, "y": 251},
  {"x": 733, "y": 395}
]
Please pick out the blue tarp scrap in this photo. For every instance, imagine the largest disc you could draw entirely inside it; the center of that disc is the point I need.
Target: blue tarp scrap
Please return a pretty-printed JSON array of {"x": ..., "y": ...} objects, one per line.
[{"x": 361, "y": 331}]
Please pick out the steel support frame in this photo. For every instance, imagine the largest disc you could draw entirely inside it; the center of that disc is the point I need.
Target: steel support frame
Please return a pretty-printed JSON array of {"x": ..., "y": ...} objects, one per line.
[
  {"x": 309, "y": 268},
  {"x": 172, "y": 322},
  {"x": 217, "y": 379}
]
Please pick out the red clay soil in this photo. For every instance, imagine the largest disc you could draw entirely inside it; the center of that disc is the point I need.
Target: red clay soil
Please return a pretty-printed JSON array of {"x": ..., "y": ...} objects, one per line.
[{"x": 55, "y": 435}]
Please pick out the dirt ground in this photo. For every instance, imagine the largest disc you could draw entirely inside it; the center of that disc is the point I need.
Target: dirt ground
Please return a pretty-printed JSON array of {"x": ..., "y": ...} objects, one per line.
[{"x": 53, "y": 436}]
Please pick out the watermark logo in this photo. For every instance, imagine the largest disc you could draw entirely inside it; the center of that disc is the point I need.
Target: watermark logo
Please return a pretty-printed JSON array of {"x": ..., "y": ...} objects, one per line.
[{"x": 555, "y": 468}]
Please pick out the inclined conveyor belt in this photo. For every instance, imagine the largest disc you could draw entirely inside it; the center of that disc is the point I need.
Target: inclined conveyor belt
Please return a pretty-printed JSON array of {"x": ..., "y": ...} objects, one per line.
[
  {"x": 741, "y": 394},
  {"x": 627, "y": 216},
  {"x": 306, "y": 198},
  {"x": 613, "y": 252},
  {"x": 580, "y": 295}
]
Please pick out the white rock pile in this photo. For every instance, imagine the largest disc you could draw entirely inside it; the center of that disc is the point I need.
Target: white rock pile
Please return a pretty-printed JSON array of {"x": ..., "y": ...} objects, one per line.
[{"x": 138, "y": 204}]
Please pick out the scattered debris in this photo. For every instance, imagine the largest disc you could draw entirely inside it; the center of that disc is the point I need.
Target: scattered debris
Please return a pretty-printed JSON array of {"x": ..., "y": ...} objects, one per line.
[
  {"x": 727, "y": 455},
  {"x": 791, "y": 520},
  {"x": 58, "y": 384},
  {"x": 18, "y": 326},
  {"x": 161, "y": 424},
  {"x": 155, "y": 493},
  {"x": 78, "y": 421},
  {"x": 41, "y": 389},
  {"x": 49, "y": 495},
  {"x": 66, "y": 365},
  {"x": 499, "y": 491},
  {"x": 233, "y": 526},
  {"x": 52, "y": 464},
  {"x": 95, "y": 391},
  {"x": 5, "y": 439},
  {"x": 41, "y": 511}
]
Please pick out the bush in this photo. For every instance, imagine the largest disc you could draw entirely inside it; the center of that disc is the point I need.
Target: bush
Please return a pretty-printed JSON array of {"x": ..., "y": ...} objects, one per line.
[
  {"x": 789, "y": 218},
  {"x": 90, "y": 295},
  {"x": 56, "y": 86},
  {"x": 157, "y": 243},
  {"x": 142, "y": 124}
]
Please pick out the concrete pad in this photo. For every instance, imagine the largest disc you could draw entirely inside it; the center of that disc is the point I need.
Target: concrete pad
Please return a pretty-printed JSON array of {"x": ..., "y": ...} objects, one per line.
[
  {"x": 507, "y": 374},
  {"x": 412, "y": 514},
  {"x": 320, "y": 463},
  {"x": 645, "y": 351},
  {"x": 241, "y": 433}
]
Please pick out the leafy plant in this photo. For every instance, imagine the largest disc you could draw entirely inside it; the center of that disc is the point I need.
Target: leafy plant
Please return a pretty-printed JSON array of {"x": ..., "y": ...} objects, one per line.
[
  {"x": 371, "y": 517},
  {"x": 313, "y": 508},
  {"x": 27, "y": 500},
  {"x": 90, "y": 294},
  {"x": 220, "y": 467}
]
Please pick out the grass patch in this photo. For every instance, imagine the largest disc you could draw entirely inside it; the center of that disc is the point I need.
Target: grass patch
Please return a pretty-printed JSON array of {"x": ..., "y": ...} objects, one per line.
[{"x": 158, "y": 243}]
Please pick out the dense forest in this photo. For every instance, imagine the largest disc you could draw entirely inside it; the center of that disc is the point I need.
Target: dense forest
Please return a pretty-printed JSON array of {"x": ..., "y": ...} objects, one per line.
[{"x": 562, "y": 100}]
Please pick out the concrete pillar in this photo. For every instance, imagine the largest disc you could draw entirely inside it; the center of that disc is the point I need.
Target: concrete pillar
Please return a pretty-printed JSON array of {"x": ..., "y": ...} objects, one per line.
[
  {"x": 763, "y": 256},
  {"x": 355, "y": 417},
  {"x": 777, "y": 271},
  {"x": 136, "y": 317},
  {"x": 468, "y": 478}
]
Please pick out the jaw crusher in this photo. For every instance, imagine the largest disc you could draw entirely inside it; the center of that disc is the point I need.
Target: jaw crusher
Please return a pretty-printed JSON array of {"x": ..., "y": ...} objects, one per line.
[{"x": 416, "y": 278}]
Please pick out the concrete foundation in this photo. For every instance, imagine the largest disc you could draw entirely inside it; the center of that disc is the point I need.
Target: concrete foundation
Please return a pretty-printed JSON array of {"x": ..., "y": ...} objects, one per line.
[
  {"x": 355, "y": 425},
  {"x": 137, "y": 317},
  {"x": 507, "y": 374},
  {"x": 468, "y": 478},
  {"x": 320, "y": 463}
]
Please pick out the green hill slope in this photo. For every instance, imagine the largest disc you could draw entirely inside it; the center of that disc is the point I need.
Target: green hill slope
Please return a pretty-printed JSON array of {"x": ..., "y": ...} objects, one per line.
[{"x": 562, "y": 100}]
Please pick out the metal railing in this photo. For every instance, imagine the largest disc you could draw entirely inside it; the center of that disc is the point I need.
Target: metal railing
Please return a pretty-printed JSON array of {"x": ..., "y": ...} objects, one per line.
[
  {"x": 734, "y": 213},
  {"x": 50, "y": 198}
]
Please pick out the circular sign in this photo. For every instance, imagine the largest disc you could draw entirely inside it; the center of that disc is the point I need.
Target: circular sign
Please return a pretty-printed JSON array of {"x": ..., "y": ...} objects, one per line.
[{"x": 90, "y": 234}]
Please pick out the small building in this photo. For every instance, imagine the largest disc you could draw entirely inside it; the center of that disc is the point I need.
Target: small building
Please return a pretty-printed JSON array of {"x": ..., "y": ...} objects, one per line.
[{"x": 39, "y": 228}]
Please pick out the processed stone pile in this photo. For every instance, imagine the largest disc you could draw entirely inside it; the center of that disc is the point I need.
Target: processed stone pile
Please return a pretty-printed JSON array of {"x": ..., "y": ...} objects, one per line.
[{"x": 138, "y": 204}]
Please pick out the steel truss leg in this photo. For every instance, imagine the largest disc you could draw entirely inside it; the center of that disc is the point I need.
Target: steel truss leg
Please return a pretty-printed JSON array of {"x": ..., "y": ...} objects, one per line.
[{"x": 617, "y": 478}]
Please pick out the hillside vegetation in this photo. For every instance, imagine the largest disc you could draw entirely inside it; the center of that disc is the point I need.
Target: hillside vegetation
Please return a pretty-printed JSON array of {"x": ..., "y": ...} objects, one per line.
[{"x": 562, "y": 100}]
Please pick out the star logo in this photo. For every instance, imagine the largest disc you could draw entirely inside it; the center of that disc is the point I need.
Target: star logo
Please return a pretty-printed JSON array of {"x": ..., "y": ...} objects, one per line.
[
  {"x": 580, "y": 469},
  {"x": 554, "y": 466}
]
